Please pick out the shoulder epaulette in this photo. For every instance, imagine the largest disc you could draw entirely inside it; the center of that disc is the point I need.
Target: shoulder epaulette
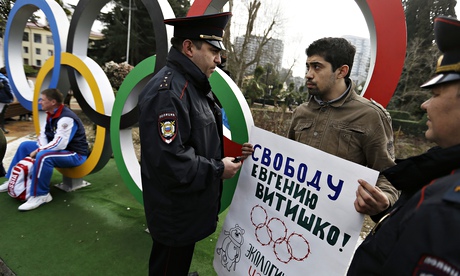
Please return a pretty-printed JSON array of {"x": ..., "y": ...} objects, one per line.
[
  {"x": 166, "y": 82},
  {"x": 381, "y": 108},
  {"x": 453, "y": 194}
]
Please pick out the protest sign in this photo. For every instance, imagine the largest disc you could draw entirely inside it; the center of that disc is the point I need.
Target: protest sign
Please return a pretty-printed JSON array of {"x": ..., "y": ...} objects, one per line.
[{"x": 292, "y": 212}]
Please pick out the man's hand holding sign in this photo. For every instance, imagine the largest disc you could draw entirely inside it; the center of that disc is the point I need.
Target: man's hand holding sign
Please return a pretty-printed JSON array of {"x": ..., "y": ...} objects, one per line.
[
  {"x": 370, "y": 199},
  {"x": 293, "y": 211}
]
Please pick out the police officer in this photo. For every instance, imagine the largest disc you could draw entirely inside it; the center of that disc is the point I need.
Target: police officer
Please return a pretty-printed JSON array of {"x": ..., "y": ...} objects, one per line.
[
  {"x": 419, "y": 235},
  {"x": 182, "y": 160}
]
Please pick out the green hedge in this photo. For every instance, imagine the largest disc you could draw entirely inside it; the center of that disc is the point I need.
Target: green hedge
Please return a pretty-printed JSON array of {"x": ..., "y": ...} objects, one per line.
[
  {"x": 402, "y": 115},
  {"x": 416, "y": 128},
  {"x": 278, "y": 122}
]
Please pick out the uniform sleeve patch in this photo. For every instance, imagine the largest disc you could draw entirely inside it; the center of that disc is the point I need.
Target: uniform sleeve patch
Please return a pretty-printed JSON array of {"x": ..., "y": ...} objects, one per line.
[
  {"x": 167, "y": 126},
  {"x": 432, "y": 265}
]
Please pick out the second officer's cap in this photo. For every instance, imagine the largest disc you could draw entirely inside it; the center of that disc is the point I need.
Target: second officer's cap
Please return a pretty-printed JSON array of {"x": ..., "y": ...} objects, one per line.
[
  {"x": 447, "y": 36},
  {"x": 209, "y": 28}
]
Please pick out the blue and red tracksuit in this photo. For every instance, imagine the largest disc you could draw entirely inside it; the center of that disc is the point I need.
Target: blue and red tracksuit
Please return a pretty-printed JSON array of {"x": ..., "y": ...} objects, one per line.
[{"x": 62, "y": 143}]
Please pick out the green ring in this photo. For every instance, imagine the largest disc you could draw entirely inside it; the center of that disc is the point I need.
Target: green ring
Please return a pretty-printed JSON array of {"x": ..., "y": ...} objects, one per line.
[
  {"x": 131, "y": 84},
  {"x": 237, "y": 110}
]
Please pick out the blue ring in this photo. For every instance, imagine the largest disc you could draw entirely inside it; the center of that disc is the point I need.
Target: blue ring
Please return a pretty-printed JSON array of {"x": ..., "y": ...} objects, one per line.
[{"x": 17, "y": 21}]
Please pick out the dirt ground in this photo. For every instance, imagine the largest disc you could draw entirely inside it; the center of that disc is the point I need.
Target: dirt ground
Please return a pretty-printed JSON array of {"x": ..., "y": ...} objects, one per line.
[{"x": 18, "y": 128}]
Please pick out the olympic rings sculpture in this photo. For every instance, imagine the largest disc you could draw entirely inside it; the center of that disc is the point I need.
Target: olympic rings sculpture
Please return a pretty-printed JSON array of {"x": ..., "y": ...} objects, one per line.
[{"x": 70, "y": 67}]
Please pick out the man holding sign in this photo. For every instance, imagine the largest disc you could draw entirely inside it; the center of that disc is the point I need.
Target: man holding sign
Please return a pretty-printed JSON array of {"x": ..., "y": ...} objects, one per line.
[
  {"x": 292, "y": 212},
  {"x": 182, "y": 160},
  {"x": 335, "y": 119}
]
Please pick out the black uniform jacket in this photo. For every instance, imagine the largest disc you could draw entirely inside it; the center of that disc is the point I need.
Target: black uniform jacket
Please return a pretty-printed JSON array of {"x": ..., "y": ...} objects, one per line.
[
  {"x": 181, "y": 136},
  {"x": 420, "y": 234}
]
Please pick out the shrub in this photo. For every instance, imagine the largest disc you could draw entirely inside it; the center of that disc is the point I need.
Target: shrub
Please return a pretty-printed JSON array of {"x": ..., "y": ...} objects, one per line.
[{"x": 116, "y": 72}]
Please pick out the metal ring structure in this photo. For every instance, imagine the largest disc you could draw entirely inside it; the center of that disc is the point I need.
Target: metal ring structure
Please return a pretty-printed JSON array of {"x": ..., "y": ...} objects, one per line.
[
  {"x": 238, "y": 113},
  {"x": 17, "y": 22},
  {"x": 74, "y": 69},
  {"x": 387, "y": 27},
  {"x": 85, "y": 14}
]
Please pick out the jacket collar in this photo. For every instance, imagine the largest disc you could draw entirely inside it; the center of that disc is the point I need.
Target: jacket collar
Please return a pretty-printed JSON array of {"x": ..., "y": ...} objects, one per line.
[
  {"x": 56, "y": 113},
  {"x": 338, "y": 102},
  {"x": 192, "y": 73}
]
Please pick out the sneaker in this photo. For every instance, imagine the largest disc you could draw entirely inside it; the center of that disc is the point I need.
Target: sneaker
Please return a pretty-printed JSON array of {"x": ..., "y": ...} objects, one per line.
[
  {"x": 35, "y": 202},
  {"x": 4, "y": 187}
]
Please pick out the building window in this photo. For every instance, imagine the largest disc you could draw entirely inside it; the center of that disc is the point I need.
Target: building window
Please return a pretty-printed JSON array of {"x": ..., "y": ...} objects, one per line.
[
  {"x": 50, "y": 53},
  {"x": 38, "y": 51},
  {"x": 37, "y": 38},
  {"x": 49, "y": 39},
  {"x": 26, "y": 49},
  {"x": 25, "y": 36},
  {"x": 39, "y": 62},
  {"x": 26, "y": 61}
]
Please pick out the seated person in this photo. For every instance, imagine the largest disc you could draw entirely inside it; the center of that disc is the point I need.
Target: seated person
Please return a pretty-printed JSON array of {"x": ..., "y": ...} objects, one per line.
[{"x": 61, "y": 143}]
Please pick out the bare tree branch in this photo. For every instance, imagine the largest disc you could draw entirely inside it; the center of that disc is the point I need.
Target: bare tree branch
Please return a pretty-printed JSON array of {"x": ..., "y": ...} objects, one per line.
[{"x": 239, "y": 60}]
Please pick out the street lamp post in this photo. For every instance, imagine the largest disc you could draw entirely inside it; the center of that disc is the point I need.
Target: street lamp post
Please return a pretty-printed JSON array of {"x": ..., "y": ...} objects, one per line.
[
  {"x": 270, "y": 87},
  {"x": 269, "y": 94},
  {"x": 269, "y": 70},
  {"x": 263, "y": 100},
  {"x": 129, "y": 32}
]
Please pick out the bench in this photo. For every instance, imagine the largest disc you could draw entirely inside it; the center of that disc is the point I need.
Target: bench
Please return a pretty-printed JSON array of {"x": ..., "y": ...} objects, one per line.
[
  {"x": 15, "y": 109},
  {"x": 71, "y": 184}
]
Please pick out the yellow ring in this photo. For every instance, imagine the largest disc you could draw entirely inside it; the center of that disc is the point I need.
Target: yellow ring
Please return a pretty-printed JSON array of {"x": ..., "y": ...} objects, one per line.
[{"x": 73, "y": 61}]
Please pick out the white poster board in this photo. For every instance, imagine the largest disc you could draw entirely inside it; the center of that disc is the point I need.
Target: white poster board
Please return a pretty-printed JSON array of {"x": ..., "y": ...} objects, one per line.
[{"x": 292, "y": 212}]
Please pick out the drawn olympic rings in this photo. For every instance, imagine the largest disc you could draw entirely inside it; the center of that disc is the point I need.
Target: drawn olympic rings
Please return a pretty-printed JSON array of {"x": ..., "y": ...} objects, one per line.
[{"x": 274, "y": 232}]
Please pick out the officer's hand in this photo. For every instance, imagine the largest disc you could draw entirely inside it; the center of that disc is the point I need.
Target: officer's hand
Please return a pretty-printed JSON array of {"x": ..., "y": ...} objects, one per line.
[
  {"x": 370, "y": 200},
  {"x": 230, "y": 167},
  {"x": 246, "y": 150}
]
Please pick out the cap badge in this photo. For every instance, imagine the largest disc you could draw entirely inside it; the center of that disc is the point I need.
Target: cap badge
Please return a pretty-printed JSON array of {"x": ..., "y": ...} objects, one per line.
[{"x": 211, "y": 37}]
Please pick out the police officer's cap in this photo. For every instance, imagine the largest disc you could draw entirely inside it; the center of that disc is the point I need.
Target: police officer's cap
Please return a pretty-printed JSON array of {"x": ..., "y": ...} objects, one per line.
[
  {"x": 205, "y": 27},
  {"x": 447, "y": 36}
]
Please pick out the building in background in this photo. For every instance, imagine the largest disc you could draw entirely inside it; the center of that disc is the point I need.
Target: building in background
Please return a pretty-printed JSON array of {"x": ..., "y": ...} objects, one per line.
[
  {"x": 38, "y": 45},
  {"x": 362, "y": 58},
  {"x": 272, "y": 52}
]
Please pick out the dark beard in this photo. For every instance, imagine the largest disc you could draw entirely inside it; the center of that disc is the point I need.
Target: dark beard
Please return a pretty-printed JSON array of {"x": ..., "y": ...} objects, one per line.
[{"x": 314, "y": 92}]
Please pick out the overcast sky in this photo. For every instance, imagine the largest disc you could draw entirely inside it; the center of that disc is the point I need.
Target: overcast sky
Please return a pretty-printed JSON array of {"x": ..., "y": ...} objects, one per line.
[{"x": 304, "y": 21}]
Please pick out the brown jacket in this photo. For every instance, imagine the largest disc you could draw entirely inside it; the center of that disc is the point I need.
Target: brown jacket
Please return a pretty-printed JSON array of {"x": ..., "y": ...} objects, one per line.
[{"x": 353, "y": 128}]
